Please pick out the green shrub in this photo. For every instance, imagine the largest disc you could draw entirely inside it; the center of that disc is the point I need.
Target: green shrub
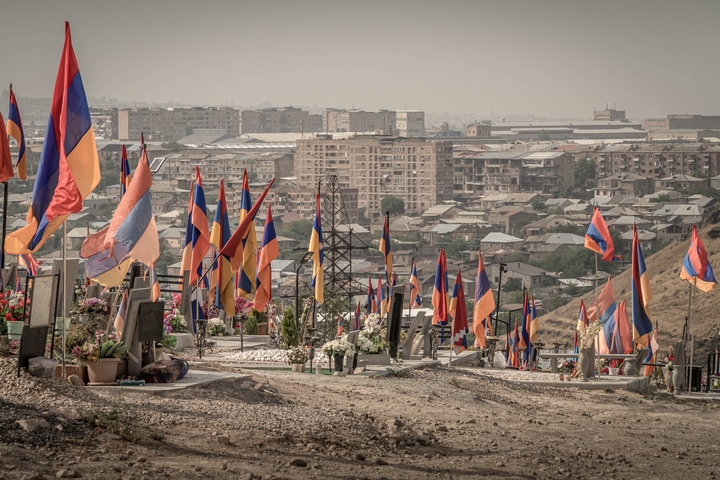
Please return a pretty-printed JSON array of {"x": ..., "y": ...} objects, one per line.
[{"x": 288, "y": 332}]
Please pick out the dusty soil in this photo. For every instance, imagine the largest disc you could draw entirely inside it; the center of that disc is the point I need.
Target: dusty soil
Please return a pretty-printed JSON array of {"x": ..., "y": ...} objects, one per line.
[{"x": 432, "y": 423}]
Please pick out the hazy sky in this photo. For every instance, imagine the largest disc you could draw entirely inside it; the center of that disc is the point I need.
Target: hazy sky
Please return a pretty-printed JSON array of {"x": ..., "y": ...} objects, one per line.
[{"x": 550, "y": 58}]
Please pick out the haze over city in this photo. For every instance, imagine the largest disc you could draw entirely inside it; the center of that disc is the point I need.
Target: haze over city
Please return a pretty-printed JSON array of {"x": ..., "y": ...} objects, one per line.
[{"x": 551, "y": 59}]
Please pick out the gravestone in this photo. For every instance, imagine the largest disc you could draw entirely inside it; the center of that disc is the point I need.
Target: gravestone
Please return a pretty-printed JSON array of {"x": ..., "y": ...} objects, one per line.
[
  {"x": 130, "y": 330},
  {"x": 414, "y": 324},
  {"x": 8, "y": 275},
  {"x": 72, "y": 269},
  {"x": 94, "y": 291},
  {"x": 423, "y": 341},
  {"x": 395, "y": 319},
  {"x": 43, "y": 305},
  {"x": 32, "y": 344},
  {"x": 352, "y": 338},
  {"x": 150, "y": 322}
]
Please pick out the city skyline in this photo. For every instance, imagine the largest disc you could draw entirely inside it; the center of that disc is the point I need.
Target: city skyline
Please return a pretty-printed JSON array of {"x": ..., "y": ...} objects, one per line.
[{"x": 550, "y": 59}]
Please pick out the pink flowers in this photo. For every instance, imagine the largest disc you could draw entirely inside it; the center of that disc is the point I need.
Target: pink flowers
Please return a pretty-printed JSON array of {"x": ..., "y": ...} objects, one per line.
[{"x": 243, "y": 305}]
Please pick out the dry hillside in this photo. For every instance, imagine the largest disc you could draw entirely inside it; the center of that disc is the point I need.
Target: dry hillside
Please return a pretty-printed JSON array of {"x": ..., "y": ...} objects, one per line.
[{"x": 669, "y": 304}]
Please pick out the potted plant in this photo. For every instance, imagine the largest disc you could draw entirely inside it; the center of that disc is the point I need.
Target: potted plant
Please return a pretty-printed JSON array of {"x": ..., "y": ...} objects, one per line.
[
  {"x": 92, "y": 311},
  {"x": 338, "y": 349},
  {"x": 296, "y": 358},
  {"x": 216, "y": 327},
  {"x": 11, "y": 309},
  {"x": 101, "y": 353}
]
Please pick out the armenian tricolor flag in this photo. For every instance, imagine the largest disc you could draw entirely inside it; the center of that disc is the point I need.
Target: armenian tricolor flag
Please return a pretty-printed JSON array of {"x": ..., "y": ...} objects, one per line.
[
  {"x": 460, "y": 318},
  {"x": 69, "y": 169},
  {"x": 576, "y": 344},
  {"x": 221, "y": 276},
  {"x": 6, "y": 165},
  {"x": 249, "y": 243},
  {"x": 187, "y": 244},
  {"x": 415, "y": 293},
  {"x": 606, "y": 298},
  {"x": 618, "y": 339},
  {"x": 513, "y": 358},
  {"x": 381, "y": 299},
  {"x": 339, "y": 326},
  {"x": 386, "y": 250},
  {"x": 640, "y": 294},
  {"x": 534, "y": 321},
  {"x": 125, "y": 175},
  {"x": 119, "y": 322},
  {"x": 131, "y": 236},
  {"x": 154, "y": 283},
  {"x": 268, "y": 252},
  {"x": 317, "y": 248},
  {"x": 356, "y": 322},
  {"x": 440, "y": 292},
  {"x": 371, "y": 302},
  {"x": 583, "y": 321},
  {"x": 484, "y": 302},
  {"x": 200, "y": 238},
  {"x": 524, "y": 339},
  {"x": 28, "y": 261},
  {"x": 653, "y": 348},
  {"x": 598, "y": 238},
  {"x": 452, "y": 306},
  {"x": 15, "y": 130},
  {"x": 696, "y": 268}
]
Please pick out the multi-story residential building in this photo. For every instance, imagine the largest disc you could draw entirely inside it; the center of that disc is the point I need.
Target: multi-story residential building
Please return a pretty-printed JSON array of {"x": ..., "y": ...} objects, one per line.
[
  {"x": 171, "y": 124},
  {"x": 673, "y": 122},
  {"x": 418, "y": 171},
  {"x": 626, "y": 184},
  {"x": 681, "y": 182},
  {"x": 337, "y": 120},
  {"x": 410, "y": 123},
  {"x": 653, "y": 160},
  {"x": 279, "y": 120},
  {"x": 478, "y": 129},
  {"x": 513, "y": 171},
  {"x": 608, "y": 115},
  {"x": 105, "y": 122}
]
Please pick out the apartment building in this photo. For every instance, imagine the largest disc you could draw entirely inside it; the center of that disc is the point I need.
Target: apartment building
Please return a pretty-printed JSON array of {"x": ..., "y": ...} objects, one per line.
[
  {"x": 626, "y": 184},
  {"x": 513, "y": 171},
  {"x": 478, "y": 129},
  {"x": 105, "y": 122},
  {"x": 172, "y": 124},
  {"x": 279, "y": 120},
  {"x": 418, "y": 171},
  {"x": 653, "y": 160},
  {"x": 410, "y": 123},
  {"x": 403, "y": 123}
]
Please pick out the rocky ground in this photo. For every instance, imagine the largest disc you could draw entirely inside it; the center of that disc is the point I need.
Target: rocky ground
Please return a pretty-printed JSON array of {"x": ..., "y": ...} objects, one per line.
[{"x": 430, "y": 423}]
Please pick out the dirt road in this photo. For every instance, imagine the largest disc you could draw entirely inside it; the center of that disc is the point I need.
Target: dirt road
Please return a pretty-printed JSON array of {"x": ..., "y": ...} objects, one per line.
[{"x": 432, "y": 423}]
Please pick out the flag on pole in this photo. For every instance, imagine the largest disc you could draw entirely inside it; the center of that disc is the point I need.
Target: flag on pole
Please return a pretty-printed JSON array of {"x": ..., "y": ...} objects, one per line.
[
  {"x": 653, "y": 348},
  {"x": 640, "y": 294},
  {"x": 221, "y": 274},
  {"x": 371, "y": 303},
  {"x": 534, "y": 321},
  {"x": 17, "y": 280},
  {"x": 440, "y": 292},
  {"x": 233, "y": 249},
  {"x": 606, "y": 298},
  {"x": 460, "y": 318},
  {"x": 386, "y": 250},
  {"x": 6, "y": 165},
  {"x": 125, "y": 175},
  {"x": 318, "y": 257},
  {"x": 415, "y": 293},
  {"x": 452, "y": 306},
  {"x": 484, "y": 302},
  {"x": 200, "y": 240},
  {"x": 339, "y": 326},
  {"x": 131, "y": 236},
  {"x": 154, "y": 283},
  {"x": 28, "y": 261},
  {"x": 618, "y": 338},
  {"x": 513, "y": 359},
  {"x": 187, "y": 244},
  {"x": 381, "y": 300},
  {"x": 696, "y": 267},
  {"x": 356, "y": 324},
  {"x": 15, "y": 130},
  {"x": 576, "y": 344},
  {"x": 69, "y": 169},
  {"x": 583, "y": 321},
  {"x": 598, "y": 238},
  {"x": 268, "y": 252},
  {"x": 524, "y": 339},
  {"x": 119, "y": 322},
  {"x": 249, "y": 243}
]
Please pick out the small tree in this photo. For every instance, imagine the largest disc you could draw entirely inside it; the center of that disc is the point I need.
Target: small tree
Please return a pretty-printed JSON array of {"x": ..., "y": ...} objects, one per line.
[
  {"x": 395, "y": 205},
  {"x": 512, "y": 285},
  {"x": 288, "y": 332}
]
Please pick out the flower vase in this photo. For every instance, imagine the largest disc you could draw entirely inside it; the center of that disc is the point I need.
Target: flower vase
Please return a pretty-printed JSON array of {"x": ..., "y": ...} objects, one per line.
[
  {"x": 562, "y": 377},
  {"x": 298, "y": 367},
  {"x": 59, "y": 325},
  {"x": 338, "y": 362},
  {"x": 15, "y": 329},
  {"x": 83, "y": 318},
  {"x": 678, "y": 378},
  {"x": 104, "y": 370}
]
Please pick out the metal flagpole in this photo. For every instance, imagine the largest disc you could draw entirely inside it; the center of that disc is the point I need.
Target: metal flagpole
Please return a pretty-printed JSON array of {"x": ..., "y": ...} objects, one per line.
[
  {"x": 410, "y": 299},
  {"x": 597, "y": 313},
  {"x": 64, "y": 289},
  {"x": 4, "y": 227},
  {"x": 692, "y": 338}
]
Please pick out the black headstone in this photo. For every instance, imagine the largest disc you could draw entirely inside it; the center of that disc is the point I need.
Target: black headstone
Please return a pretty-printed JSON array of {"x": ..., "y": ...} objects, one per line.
[
  {"x": 150, "y": 321},
  {"x": 393, "y": 334},
  {"x": 32, "y": 344}
]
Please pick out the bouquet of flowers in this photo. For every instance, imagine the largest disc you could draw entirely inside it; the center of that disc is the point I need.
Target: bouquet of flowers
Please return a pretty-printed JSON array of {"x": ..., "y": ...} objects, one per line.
[
  {"x": 216, "y": 327},
  {"x": 174, "y": 322},
  {"x": 338, "y": 347},
  {"x": 11, "y": 305},
  {"x": 371, "y": 338},
  {"x": 93, "y": 307},
  {"x": 101, "y": 345},
  {"x": 243, "y": 305},
  {"x": 296, "y": 355},
  {"x": 587, "y": 338}
]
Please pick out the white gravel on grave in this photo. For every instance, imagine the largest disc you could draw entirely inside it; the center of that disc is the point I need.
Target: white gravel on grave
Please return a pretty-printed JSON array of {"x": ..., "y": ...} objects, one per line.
[{"x": 270, "y": 355}]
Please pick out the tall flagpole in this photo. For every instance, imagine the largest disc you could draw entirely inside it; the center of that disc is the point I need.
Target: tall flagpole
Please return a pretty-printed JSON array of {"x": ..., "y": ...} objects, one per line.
[
  {"x": 410, "y": 299},
  {"x": 4, "y": 227},
  {"x": 597, "y": 314},
  {"x": 692, "y": 338},
  {"x": 64, "y": 289}
]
